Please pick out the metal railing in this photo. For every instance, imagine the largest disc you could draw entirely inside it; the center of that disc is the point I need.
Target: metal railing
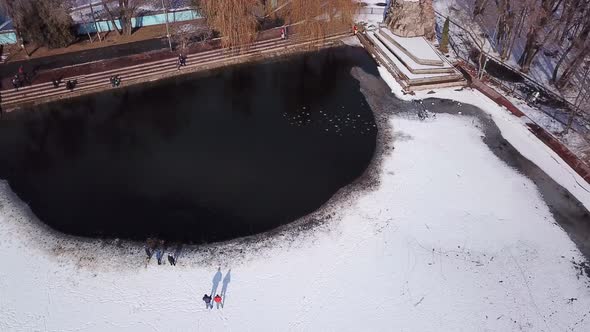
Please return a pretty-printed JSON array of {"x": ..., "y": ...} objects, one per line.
[{"x": 522, "y": 90}]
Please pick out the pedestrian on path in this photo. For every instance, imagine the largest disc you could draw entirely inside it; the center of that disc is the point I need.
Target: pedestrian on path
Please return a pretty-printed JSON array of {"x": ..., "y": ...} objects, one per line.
[
  {"x": 284, "y": 33},
  {"x": 56, "y": 82},
  {"x": 115, "y": 81},
  {"x": 207, "y": 300},
  {"x": 150, "y": 249},
  {"x": 71, "y": 84},
  {"x": 23, "y": 77},
  {"x": 15, "y": 82},
  {"x": 532, "y": 98},
  {"x": 181, "y": 61},
  {"x": 217, "y": 300},
  {"x": 148, "y": 252},
  {"x": 171, "y": 260}
]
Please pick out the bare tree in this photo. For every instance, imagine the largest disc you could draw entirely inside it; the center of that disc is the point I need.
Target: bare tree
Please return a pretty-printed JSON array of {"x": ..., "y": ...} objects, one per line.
[
  {"x": 316, "y": 18},
  {"x": 10, "y": 7},
  {"x": 579, "y": 44},
  {"x": 233, "y": 19},
  {"x": 479, "y": 7},
  {"x": 581, "y": 98},
  {"x": 572, "y": 66},
  {"x": 186, "y": 35},
  {"x": 505, "y": 28},
  {"x": 576, "y": 27},
  {"x": 571, "y": 11},
  {"x": 125, "y": 11},
  {"x": 110, "y": 16},
  {"x": 541, "y": 24},
  {"x": 43, "y": 22}
]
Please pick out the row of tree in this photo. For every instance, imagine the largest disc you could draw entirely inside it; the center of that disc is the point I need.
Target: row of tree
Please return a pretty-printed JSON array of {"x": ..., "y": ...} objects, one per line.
[
  {"x": 239, "y": 20},
  {"x": 542, "y": 25},
  {"x": 48, "y": 22}
]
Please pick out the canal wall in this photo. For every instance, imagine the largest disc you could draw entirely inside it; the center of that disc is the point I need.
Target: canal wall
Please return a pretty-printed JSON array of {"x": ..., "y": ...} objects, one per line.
[{"x": 140, "y": 21}]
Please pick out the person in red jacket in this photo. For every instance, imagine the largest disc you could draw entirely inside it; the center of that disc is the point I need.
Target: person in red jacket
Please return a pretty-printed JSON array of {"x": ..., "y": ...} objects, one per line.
[{"x": 217, "y": 300}]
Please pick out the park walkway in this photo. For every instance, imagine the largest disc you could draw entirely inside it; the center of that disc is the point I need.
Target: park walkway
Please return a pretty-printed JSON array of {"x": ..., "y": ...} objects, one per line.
[{"x": 165, "y": 65}]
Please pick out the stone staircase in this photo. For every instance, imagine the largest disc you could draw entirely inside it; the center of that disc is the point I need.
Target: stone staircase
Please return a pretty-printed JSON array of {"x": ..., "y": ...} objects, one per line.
[
  {"x": 45, "y": 92},
  {"x": 414, "y": 62}
]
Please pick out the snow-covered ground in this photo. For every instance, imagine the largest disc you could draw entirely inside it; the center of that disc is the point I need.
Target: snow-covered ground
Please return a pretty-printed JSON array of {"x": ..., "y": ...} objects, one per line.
[
  {"x": 513, "y": 129},
  {"x": 448, "y": 239}
]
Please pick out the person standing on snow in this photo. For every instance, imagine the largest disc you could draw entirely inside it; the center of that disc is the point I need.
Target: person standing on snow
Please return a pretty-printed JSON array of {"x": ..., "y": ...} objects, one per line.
[
  {"x": 207, "y": 300},
  {"x": 148, "y": 252},
  {"x": 159, "y": 255},
  {"x": 217, "y": 300},
  {"x": 171, "y": 260}
]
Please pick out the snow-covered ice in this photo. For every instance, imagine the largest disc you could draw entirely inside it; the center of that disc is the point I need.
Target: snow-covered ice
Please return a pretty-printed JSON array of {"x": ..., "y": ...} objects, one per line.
[{"x": 513, "y": 129}]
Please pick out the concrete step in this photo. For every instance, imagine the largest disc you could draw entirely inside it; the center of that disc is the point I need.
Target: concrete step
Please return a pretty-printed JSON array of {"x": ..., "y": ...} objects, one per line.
[
  {"x": 414, "y": 46},
  {"x": 147, "y": 68},
  {"x": 161, "y": 67},
  {"x": 195, "y": 56},
  {"x": 450, "y": 84},
  {"x": 408, "y": 79},
  {"x": 437, "y": 85},
  {"x": 409, "y": 63}
]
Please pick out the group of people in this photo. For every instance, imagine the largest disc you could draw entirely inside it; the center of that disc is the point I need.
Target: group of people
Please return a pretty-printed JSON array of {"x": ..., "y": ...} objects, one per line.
[
  {"x": 218, "y": 299},
  {"x": 158, "y": 247},
  {"x": 207, "y": 299},
  {"x": 20, "y": 79},
  {"x": 71, "y": 84},
  {"x": 115, "y": 81}
]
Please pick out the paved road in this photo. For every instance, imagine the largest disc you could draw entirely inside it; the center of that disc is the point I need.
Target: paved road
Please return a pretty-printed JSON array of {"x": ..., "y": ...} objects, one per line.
[{"x": 69, "y": 59}]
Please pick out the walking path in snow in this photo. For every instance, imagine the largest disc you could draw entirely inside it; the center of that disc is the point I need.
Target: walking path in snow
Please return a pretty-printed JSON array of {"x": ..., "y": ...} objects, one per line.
[{"x": 439, "y": 235}]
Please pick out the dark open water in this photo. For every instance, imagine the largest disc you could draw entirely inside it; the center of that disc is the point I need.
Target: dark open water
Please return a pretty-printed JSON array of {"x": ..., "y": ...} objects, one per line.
[{"x": 203, "y": 158}]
